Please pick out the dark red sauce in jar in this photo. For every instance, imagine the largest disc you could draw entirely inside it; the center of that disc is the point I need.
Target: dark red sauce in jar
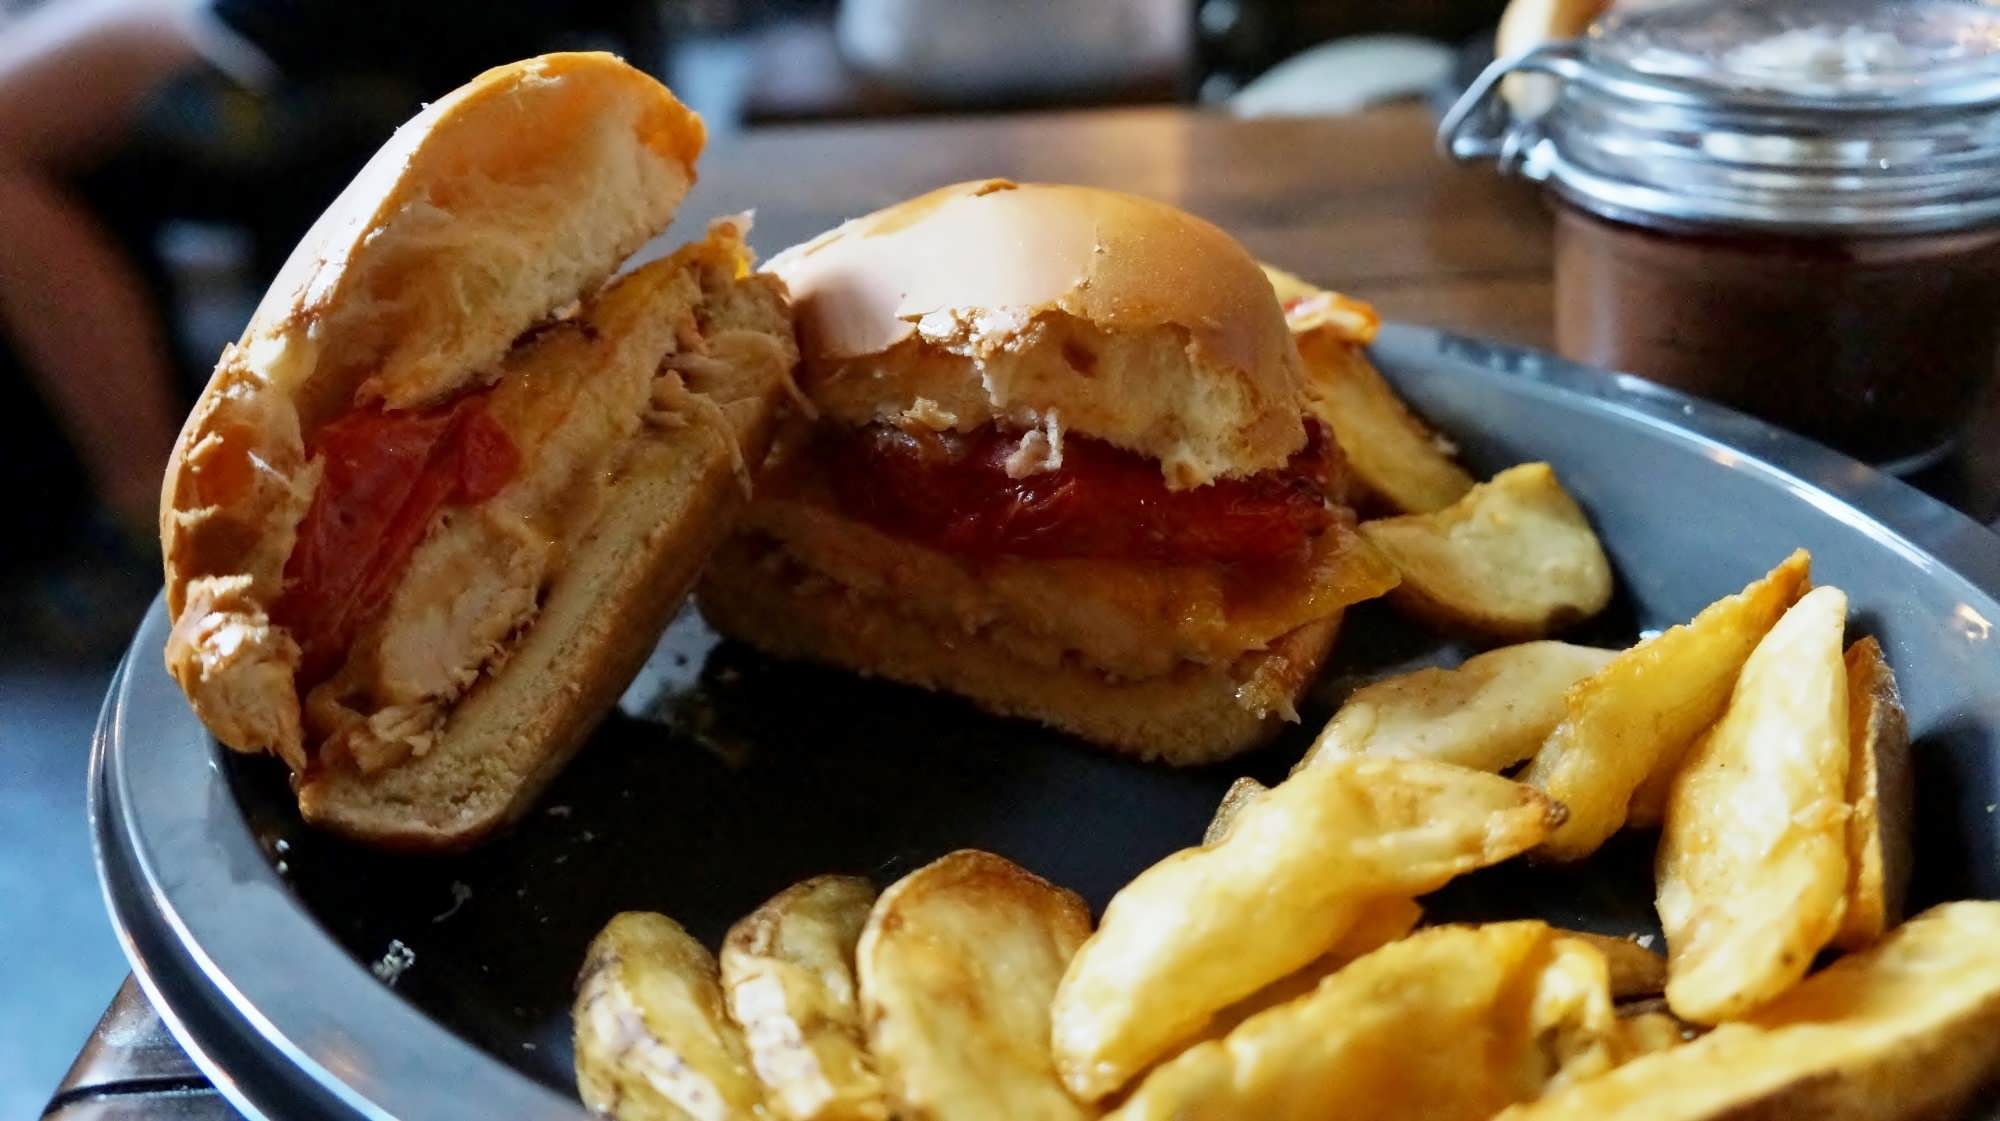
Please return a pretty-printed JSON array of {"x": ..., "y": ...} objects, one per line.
[
  {"x": 1791, "y": 207},
  {"x": 1875, "y": 345}
]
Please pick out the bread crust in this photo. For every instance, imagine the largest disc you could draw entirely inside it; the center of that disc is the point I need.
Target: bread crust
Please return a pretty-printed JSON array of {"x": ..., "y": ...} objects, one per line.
[{"x": 1110, "y": 315}]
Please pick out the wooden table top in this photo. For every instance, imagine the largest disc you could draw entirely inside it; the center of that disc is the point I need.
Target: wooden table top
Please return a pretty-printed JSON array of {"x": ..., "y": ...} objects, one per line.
[{"x": 1360, "y": 203}]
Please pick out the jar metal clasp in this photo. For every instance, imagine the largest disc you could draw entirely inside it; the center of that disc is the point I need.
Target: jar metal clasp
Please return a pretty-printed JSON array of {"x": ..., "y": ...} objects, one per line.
[{"x": 1480, "y": 126}]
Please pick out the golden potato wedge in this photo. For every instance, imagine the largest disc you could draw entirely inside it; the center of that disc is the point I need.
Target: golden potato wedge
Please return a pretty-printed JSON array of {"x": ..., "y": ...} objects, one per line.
[
  {"x": 1642, "y": 1033},
  {"x": 1648, "y": 807},
  {"x": 1880, "y": 797},
  {"x": 1453, "y": 1022},
  {"x": 1488, "y": 714},
  {"x": 957, "y": 965},
  {"x": 1240, "y": 794},
  {"x": 1309, "y": 307},
  {"x": 1514, "y": 558},
  {"x": 1638, "y": 715},
  {"x": 1752, "y": 867},
  {"x": 1635, "y": 970},
  {"x": 1571, "y": 1016},
  {"x": 1379, "y": 923},
  {"x": 1402, "y": 464},
  {"x": 788, "y": 973},
  {"x": 1208, "y": 926},
  {"x": 1907, "y": 1029},
  {"x": 1288, "y": 286},
  {"x": 652, "y": 1040}
]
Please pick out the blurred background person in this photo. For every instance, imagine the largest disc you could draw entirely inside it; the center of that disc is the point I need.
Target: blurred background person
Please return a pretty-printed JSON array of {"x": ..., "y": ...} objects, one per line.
[
  {"x": 123, "y": 121},
  {"x": 158, "y": 161},
  {"x": 78, "y": 317}
]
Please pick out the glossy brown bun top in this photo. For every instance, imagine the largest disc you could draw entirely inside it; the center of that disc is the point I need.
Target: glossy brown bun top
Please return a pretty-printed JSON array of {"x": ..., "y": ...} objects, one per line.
[
  {"x": 511, "y": 196},
  {"x": 1056, "y": 307}
]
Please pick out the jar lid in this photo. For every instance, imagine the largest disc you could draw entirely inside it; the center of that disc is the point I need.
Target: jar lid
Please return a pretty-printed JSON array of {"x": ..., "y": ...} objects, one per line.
[
  {"x": 1829, "y": 54},
  {"x": 1843, "y": 116}
]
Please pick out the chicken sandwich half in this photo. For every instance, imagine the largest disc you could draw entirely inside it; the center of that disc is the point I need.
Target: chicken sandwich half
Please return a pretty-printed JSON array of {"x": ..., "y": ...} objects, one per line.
[{"x": 1063, "y": 466}]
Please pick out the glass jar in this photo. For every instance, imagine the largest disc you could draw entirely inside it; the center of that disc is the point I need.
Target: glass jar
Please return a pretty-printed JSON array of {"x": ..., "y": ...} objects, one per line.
[{"x": 1791, "y": 207}]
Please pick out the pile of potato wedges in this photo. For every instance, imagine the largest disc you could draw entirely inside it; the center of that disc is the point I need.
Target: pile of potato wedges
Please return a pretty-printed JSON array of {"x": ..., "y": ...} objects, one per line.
[{"x": 1281, "y": 967}]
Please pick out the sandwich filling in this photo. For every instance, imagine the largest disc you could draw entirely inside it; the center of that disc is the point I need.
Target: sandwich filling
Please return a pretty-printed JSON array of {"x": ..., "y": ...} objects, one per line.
[
  {"x": 433, "y": 536},
  {"x": 383, "y": 479},
  {"x": 1093, "y": 559},
  {"x": 1067, "y": 467},
  {"x": 971, "y": 494}
]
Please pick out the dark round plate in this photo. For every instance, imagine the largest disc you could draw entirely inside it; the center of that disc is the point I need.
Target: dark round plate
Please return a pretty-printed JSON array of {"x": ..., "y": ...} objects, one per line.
[{"x": 725, "y": 776}]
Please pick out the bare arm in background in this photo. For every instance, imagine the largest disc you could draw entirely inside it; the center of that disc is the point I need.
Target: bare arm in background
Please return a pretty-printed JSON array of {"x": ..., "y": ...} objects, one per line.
[{"x": 72, "y": 73}]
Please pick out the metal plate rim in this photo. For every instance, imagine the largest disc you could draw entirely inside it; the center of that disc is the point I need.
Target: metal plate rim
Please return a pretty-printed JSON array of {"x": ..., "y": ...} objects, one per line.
[
  {"x": 1919, "y": 526},
  {"x": 273, "y": 1074}
]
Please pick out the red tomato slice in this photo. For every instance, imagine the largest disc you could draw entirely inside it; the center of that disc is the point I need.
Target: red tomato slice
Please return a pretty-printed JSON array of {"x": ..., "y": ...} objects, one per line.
[
  {"x": 383, "y": 478},
  {"x": 951, "y": 491}
]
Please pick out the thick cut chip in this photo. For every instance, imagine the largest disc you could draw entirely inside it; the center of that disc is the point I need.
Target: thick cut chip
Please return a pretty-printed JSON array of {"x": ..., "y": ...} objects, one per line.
[
  {"x": 1404, "y": 465},
  {"x": 1453, "y": 1022},
  {"x": 1635, "y": 970},
  {"x": 1238, "y": 797},
  {"x": 1310, "y": 308},
  {"x": 1880, "y": 796},
  {"x": 957, "y": 966},
  {"x": 788, "y": 970},
  {"x": 1288, "y": 286},
  {"x": 1380, "y": 922},
  {"x": 1752, "y": 867},
  {"x": 1639, "y": 714},
  {"x": 1654, "y": 1029},
  {"x": 1488, "y": 714},
  {"x": 1571, "y": 1017},
  {"x": 1514, "y": 558},
  {"x": 652, "y": 1040},
  {"x": 1648, "y": 807},
  {"x": 1907, "y": 1029},
  {"x": 1208, "y": 926}
]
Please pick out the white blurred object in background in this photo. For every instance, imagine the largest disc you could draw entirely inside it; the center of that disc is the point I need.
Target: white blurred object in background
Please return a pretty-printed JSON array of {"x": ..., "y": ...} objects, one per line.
[
  {"x": 1344, "y": 76},
  {"x": 970, "y": 50}
]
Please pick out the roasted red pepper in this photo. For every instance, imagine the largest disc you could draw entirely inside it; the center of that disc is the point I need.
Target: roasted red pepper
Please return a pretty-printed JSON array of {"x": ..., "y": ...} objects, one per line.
[
  {"x": 952, "y": 491},
  {"x": 383, "y": 478}
]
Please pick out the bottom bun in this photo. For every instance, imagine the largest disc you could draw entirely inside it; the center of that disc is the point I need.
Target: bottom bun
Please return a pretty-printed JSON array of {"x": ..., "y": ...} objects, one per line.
[
  {"x": 1197, "y": 714},
  {"x": 601, "y": 616}
]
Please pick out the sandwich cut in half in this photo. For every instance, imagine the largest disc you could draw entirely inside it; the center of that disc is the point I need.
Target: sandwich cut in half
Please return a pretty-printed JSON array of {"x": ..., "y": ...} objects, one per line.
[
  {"x": 433, "y": 509},
  {"x": 1063, "y": 466}
]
